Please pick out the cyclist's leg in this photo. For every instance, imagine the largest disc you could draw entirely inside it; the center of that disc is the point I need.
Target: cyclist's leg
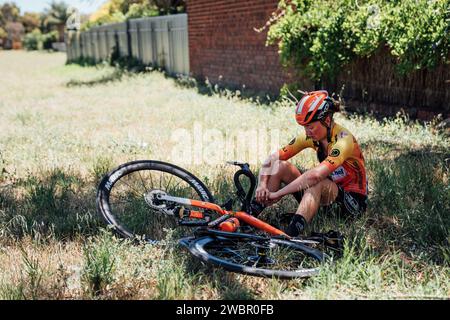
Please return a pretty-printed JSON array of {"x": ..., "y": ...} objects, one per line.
[
  {"x": 286, "y": 173},
  {"x": 323, "y": 193}
]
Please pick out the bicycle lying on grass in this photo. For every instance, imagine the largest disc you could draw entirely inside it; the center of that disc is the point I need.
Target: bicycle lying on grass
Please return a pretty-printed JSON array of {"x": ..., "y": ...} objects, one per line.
[{"x": 146, "y": 199}]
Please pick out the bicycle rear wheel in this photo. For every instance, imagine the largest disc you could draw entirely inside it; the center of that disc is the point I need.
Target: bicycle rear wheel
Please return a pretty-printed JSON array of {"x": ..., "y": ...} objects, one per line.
[
  {"x": 262, "y": 257},
  {"x": 123, "y": 198}
]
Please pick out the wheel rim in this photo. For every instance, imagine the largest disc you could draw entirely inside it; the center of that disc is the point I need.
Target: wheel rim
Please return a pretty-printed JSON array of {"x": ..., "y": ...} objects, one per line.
[
  {"x": 129, "y": 209},
  {"x": 280, "y": 258}
]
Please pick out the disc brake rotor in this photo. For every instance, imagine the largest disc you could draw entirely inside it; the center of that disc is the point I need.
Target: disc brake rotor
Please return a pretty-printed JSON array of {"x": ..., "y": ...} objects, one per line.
[{"x": 153, "y": 197}]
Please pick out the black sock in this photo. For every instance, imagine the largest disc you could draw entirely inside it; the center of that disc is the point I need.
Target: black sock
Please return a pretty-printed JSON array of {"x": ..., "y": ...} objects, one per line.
[{"x": 296, "y": 226}]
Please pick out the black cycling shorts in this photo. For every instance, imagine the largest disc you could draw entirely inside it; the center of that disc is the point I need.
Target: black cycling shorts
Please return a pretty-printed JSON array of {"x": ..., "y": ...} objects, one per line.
[{"x": 351, "y": 204}]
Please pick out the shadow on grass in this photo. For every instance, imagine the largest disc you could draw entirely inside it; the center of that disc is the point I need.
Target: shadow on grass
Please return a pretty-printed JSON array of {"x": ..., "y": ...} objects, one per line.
[
  {"x": 225, "y": 283},
  {"x": 122, "y": 66},
  {"x": 55, "y": 204},
  {"x": 132, "y": 66},
  {"x": 410, "y": 201},
  {"x": 224, "y": 89},
  {"x": 116, "y": 75}
]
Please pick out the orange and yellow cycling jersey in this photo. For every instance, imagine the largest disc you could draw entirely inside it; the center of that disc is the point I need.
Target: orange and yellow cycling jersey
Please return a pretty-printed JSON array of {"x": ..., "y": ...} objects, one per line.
[{"x": 343, "y": 157}]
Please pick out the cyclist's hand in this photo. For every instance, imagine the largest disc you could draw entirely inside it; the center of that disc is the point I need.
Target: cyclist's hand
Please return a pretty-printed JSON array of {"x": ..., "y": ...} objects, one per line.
[
  {"x": 262, "y": 194},
  {"x": 274, "y": 197}
]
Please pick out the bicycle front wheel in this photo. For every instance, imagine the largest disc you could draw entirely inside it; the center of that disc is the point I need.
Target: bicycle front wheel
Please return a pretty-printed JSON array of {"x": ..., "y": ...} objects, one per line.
[
  {"x": 264, "y": 258},
  {"x": 123, "y": 198}
]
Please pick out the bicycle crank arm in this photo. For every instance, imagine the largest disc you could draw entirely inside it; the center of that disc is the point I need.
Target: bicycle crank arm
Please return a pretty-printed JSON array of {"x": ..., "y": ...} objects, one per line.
[
  {"x": 178, "y": 200},
  {"x": 189, "y": 202}
]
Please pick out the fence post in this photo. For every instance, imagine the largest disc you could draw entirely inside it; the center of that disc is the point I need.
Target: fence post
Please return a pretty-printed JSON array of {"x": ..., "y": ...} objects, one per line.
[
  {"x": 138, "y": 39},
  {"x": 81, "y": 45},
  {"x": 127, "y": 30}
]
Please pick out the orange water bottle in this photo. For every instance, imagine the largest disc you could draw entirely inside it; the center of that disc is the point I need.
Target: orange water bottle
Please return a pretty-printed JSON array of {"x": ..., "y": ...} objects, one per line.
[{"x": 229, "y": 225}]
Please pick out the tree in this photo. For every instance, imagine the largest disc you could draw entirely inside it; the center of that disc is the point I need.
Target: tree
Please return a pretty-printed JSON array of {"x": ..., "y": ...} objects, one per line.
[
  {"x": 15, "y": 32},
  {"x": 120, "y": 10},
  {"x": 170, "y": 6},
  {"x": 56, "y": 17},
  {"x": 109, "y": 12},
  {"x": 137, "y": 10},
  {"x": 11, "y": 30},
  {"x": 31, "y": 21},
  {"x": 9, "y": 12},
  {"x": 124, "y": 5}
]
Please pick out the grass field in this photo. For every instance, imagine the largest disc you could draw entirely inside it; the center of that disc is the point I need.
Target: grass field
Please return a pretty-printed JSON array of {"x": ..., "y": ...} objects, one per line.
[{"x": 64, "y": 126}]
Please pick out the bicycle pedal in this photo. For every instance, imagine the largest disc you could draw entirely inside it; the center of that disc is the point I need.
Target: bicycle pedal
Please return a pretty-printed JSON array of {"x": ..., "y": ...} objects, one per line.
[{"x": 334, "y": 239}]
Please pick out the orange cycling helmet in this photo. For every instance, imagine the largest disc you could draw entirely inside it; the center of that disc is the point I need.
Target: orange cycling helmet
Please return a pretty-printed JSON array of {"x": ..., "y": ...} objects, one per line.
[{"x": 314, "y": 106}]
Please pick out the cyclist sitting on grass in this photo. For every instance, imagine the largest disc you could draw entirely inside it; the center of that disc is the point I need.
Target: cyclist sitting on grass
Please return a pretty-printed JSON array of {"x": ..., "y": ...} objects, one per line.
[{"x": 340, "y": 177}]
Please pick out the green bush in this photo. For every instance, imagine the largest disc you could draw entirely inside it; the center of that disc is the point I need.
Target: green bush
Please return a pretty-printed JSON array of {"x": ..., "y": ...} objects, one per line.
[
  {"x": 48, "y": 39},
  {"x": 100, "y": 259},
  {"x": 33, "y": 40},
  {"x": 140, "y": 10},
  {"x": 320, "y": 37}
]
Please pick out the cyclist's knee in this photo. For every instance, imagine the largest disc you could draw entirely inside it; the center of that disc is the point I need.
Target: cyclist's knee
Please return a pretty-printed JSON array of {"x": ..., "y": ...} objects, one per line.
[
  {"x": 322, "y": 187},
  {"x": 317, "y": 187},
  {"x": 328, "y": 191},
  {"x": 282, "y": 168},
  {"x": 288, "y": 172}
]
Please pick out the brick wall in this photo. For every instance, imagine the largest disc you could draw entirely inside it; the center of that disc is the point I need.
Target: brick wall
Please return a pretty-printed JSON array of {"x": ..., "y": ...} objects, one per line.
[{"x": 224, "y": 47}]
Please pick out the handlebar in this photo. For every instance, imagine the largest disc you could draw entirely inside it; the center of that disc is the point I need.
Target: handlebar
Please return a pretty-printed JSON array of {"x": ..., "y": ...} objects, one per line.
[{"x": 245, "y": 197}]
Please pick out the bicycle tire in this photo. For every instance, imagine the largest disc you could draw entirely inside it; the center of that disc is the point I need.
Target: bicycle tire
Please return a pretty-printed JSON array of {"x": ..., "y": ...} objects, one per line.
[
  {"x": 202, "y": 248},
  {"x": 143, "y": 167}
]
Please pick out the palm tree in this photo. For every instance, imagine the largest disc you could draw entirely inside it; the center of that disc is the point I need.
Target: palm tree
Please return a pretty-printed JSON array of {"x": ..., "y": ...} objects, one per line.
[{"x": 56, "y": 16}]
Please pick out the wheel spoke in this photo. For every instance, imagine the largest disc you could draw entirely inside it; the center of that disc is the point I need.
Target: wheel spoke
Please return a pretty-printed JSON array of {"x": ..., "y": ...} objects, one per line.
[
  {"x": 143, "y": 183},
  {"x": 125, "y": 206},
  {"x": 151, "y": 179},
  {"x": 124, "y": 201},
  {"x": 160, "y": 180},
  {"x": 272, "y": 257},
  {"x": 168, "y": 184},
  {"x": 135, "y": 191}
]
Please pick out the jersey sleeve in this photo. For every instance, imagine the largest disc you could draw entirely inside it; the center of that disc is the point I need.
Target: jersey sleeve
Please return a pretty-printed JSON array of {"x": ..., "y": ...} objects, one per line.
[
  {"x": 341, "y": 151},
  {"x": 295, "y": 146}
]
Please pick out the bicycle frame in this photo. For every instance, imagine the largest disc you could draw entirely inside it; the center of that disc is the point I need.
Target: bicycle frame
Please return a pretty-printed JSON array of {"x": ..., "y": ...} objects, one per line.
[{"x": 241, "y": 215}]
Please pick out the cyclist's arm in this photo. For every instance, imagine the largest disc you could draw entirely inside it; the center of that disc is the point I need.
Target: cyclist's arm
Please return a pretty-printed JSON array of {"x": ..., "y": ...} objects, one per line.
[
  {"x": 340, "y": 152},
  {"x": 269, "y": 166},
  {"x": 306, "y": 180}
]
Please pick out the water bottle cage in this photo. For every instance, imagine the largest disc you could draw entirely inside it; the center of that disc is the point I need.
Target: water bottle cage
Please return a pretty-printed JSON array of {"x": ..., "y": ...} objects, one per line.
[
  {"x": 191, "y": 217},
  {"x": 218, "y": 221}
]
